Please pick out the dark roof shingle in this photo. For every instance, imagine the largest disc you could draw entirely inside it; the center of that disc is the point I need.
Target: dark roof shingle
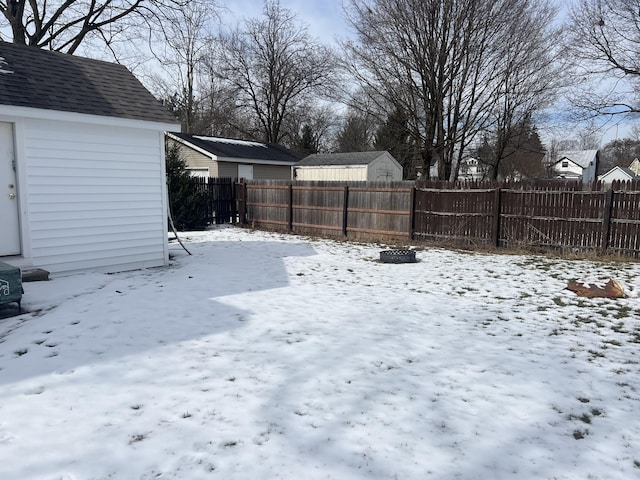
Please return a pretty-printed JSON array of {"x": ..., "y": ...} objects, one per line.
[
  {"x": 36, "y": 78},
  {"x": 241, "y": 149}
]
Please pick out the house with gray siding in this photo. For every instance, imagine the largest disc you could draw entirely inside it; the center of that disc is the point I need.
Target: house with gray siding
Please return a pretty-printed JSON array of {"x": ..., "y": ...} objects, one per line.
[
  {"x": 227, "y": 157},
  {"x": 82, "y": 166}
]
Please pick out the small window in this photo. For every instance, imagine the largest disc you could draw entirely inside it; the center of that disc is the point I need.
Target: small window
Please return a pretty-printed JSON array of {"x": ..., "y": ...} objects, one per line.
[{"x": 565, "y": 164}]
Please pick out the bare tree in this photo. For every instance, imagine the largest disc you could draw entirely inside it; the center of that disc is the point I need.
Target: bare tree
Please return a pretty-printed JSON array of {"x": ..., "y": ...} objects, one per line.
[
  {"x": 63, "y": 25},
  {"x": 529, "y": 78},
  {"x": 315, "y": 127},
  {"x": 604, "y": 44},
  {"x": 442, "y": 62},
  {"x": 182, "y": 47},
  {"x": 620, "y": 152},
  {"x": 273, "y": 65}
]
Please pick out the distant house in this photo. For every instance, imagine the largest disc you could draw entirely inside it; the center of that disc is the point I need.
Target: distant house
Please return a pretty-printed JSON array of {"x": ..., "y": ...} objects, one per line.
[
  {"x": 81, "y": 164},
  {"x": 576, "y": 164},
  {"x": 471, "y": 169},
  {"x": 635, "y": 166},
  {"x": 353, "y": 166},
  {"x": 226, "y": 157},
  {"x": 618, "y": 173}
]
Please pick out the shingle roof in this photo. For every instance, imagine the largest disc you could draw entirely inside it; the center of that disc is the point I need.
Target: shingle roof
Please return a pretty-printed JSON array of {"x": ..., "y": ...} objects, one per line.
[
  {"x": 36, "y": 78},
  {"x": 350, "y": 158},
  {"x": 240, "y": 149}
]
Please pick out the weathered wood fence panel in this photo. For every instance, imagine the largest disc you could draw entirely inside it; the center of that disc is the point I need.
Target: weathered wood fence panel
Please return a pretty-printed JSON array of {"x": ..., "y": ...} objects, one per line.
[
  {"x": 318, "y": 209},
  {"x": 455, "y": 216},
  {"x": 268, "y": 204},
  {"x": 551, "y": 219},
  {"x": 379, "y": 210},
  {"x": 624, "y": 230}
]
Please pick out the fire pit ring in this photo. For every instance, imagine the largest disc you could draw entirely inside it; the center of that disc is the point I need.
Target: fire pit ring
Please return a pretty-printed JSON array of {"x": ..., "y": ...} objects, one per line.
[{"x": 398, "y": 256}]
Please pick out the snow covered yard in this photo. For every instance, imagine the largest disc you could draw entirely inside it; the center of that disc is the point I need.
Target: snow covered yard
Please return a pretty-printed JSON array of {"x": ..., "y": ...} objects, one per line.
[{"x": 271, "y": 356}]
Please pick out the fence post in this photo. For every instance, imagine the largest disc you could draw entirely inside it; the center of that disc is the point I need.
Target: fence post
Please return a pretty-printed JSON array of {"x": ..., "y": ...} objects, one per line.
[
  {"x": 412, "y": 212},
  {"x": 233, "y": 210},
  {"x": 497, "y": 207},
  {"x": 345, "y": 211},
  {"x": 606, "y": 220},
  {"x": 241, "y": 195},
  {"x": 290, "y": 210}
]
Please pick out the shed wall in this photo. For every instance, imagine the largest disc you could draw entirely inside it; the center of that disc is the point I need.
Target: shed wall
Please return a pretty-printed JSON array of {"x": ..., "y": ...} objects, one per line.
[
  {"x": 96, "y": 196},
  {"x": 271, "y": 172},
  {"x": 384, "y": 169},
  {"x": 354, "y": 173}
]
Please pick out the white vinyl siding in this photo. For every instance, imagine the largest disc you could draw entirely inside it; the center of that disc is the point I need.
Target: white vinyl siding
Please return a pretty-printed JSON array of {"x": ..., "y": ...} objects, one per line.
[
  {"x": 353, "y": 173},
  {"x": 95, "y": 196}
]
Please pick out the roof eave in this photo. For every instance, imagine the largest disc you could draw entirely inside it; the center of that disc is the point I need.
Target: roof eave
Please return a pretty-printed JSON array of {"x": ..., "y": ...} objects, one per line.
[{"x": 60, "y": 115}]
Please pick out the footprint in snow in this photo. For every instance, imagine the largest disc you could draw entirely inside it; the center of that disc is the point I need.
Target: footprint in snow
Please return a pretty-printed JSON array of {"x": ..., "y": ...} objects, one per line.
[{"x": 37, "y": 390}]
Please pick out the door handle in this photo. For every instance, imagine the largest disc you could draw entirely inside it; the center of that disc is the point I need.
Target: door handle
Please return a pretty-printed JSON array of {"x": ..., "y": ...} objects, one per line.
[{"x": 12, "y": 196}]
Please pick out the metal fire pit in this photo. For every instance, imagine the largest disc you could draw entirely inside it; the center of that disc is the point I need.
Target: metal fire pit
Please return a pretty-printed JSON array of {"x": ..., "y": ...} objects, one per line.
[{"x": 398, "y": 256}]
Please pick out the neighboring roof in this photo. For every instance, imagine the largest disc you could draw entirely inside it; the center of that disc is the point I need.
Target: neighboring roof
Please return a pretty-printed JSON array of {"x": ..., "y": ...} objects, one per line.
[
  {"x": 582, "y": 158},
  {"x": 624, "y": 170},
  {"x": 229, "y": 148},
  {"x": 351, "y": 158},
  {"x": 36, "y": 78}
]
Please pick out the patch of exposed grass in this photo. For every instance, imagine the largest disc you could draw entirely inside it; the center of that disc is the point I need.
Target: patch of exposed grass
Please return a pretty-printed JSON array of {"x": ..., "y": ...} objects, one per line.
[
  {"x": 585, "y": 417},
  {"x": 618, "y": 327},
  {"x": 623, "y": 311},
  {"x": 580, "y": 434},
  {"x": 137, "y": 437},
  {"x": 559, "y": 301}
]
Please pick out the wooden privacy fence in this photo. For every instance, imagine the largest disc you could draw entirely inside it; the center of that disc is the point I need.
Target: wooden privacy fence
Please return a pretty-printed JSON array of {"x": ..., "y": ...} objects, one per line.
[
  {"x": 555, "y": 215},
  {"x": 221, "y": 198}
]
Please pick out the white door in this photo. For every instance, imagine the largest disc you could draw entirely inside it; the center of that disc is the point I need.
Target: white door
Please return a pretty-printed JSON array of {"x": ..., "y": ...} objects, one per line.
[
  {"x": 245, "y": 171},
  {"x": 9, "y": 226}
]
